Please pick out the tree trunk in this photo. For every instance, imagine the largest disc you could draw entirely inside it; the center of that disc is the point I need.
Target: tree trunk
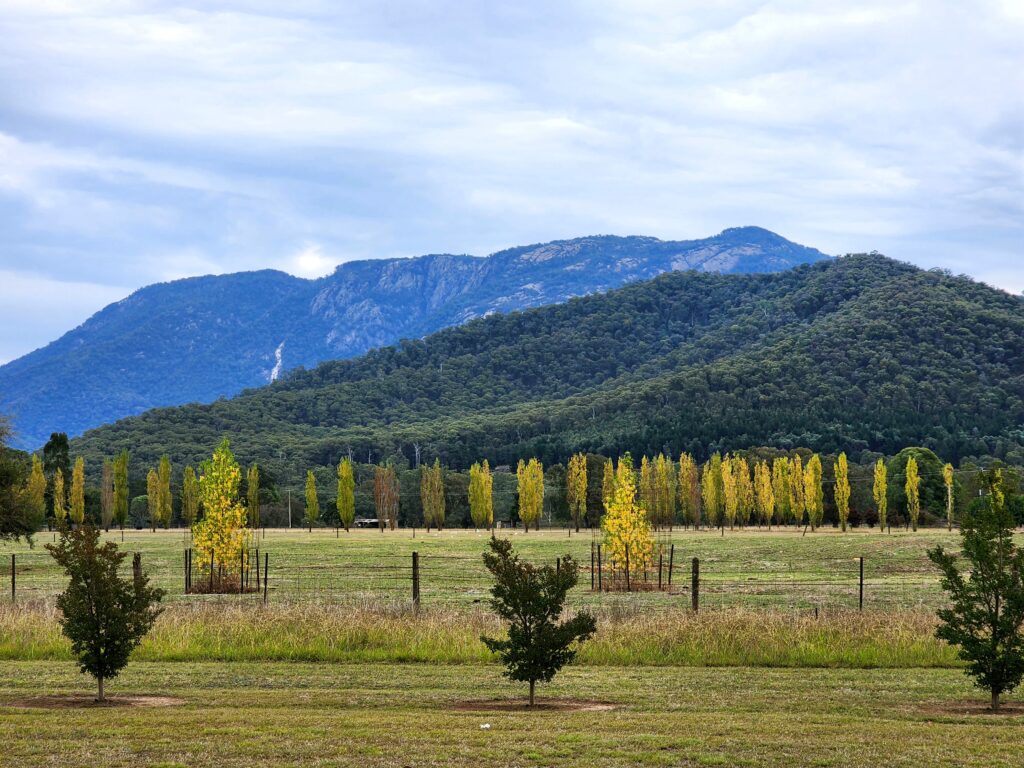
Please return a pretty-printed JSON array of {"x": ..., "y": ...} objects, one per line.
[
  {"x": 533, "y": 684},
  {"x": 99, "y": 681},
  {"x": 995, "y": 701}
]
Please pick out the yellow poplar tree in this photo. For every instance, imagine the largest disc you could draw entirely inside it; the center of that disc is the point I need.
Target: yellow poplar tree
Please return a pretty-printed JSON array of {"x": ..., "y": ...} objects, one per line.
[
  {"x": 647, "y": 491},
  {"x": 947, "y": 477},
  {"x": 165, "y": 500},
  {"x": 665, "y": 490},
  {"x": 576, "y": 488},
  {"x": 780, "y": 489},
  {"x": 481, "y": 496},
  {"x": 913, "y": 491},
  {"x": 625, "y": 525},
  {"x": 60, "y": 499},
  {"x": 842, "y": 490},
  {"x": 107, "y": 494},
  {"x": 312, "y": 500},
  {"x": 77, "y": 511},
  {"x": 813, "y": 495},
  {"x": 744, "y": 488},
  {"x": 764, "y": 493},
  {"x": 880, "y": 491},
  {"x": 221, "y": 535},
  {"x": 121, "y": 489},
  {"x": 153, "y": 497},
  {"x": 531, "y": 492},
  {"x": 432, "y": 495},
  {"x": 709, "y": 494},
  {"x": 607, "y": 483},
  {"x": 346, "y": 501},
  {"x": 37, "y": 490},
  {"x": 731, "y": 490},
  {"x": 797, "y": 502},
  {"x": 689, "y": 490}
]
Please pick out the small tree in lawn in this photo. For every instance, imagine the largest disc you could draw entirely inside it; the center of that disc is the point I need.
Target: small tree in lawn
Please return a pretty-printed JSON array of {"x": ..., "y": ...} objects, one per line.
[
  {"x": 531, "y": 598},
  {"x": 103, "y": 615},
  {"x": 987, "y": 604}
]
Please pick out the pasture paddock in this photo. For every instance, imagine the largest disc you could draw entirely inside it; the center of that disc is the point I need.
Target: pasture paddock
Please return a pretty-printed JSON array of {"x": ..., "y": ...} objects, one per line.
[{"x": 784, "y": 568}]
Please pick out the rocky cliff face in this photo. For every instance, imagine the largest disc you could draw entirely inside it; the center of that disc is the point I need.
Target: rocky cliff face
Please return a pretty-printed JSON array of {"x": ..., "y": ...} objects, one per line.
[{"x": 203, "y": 338}]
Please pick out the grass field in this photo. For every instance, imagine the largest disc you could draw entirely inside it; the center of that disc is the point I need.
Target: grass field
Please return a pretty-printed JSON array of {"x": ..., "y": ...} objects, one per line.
[
  {"x": 752, "y": 568},
  {"x": 295, "y": 714}
]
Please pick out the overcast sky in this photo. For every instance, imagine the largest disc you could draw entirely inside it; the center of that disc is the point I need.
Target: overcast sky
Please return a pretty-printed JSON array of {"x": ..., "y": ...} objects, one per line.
[{"x": 145, "y": 141}]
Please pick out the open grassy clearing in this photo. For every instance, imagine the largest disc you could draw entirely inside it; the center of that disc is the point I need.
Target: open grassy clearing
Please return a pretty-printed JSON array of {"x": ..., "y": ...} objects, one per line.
[
  {"x": 752, "y": 568},
  {"x": 731, "y": 637},
  {"x": 395, "y": 715}
]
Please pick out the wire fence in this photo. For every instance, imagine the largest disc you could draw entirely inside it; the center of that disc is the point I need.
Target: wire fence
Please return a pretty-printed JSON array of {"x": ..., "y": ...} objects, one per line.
[{"x": 668, "y": 581}]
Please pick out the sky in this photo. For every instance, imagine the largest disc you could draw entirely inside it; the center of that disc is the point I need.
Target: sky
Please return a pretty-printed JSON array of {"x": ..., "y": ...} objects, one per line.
[{"x": 149, "y": 141}]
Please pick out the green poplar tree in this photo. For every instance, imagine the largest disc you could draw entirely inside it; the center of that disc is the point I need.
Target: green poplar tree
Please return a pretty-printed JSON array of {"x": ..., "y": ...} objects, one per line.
[
  {"x": 253, "y": 496},
  {"x": 189, "y": 497},
  {"x": 312, "y": 502},
  {"x": 346, "y": 502},
  {"x": 121, "y": 489}
]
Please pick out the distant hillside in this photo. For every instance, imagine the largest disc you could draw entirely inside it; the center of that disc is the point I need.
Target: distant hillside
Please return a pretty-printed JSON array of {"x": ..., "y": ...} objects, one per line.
[
  {"x": 199, "y": 339},
  {"x": 860, "y": 353}
]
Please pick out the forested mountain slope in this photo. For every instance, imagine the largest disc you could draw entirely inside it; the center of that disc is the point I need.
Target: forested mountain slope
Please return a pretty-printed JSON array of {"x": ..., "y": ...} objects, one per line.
[
  {"x": 860, "y": 353},
  {"x": 202, "y": 338}
]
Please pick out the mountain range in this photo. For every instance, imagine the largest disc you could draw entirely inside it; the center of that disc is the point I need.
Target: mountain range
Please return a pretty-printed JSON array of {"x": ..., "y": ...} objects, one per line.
[
  {"x": 861, "y": 354},
  {"x": 203, "y": 338}
]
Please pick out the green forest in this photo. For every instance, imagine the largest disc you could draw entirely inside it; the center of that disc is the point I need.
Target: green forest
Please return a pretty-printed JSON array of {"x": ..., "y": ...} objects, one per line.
[{"x": 862, "y": 354}]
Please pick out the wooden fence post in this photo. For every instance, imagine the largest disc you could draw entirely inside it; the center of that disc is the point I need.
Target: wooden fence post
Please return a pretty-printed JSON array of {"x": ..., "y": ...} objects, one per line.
[
  {"x": 266, "y": 574},
  {"x": 660, "y": 556},
  {"x": 416, "y": 580},
  {"x": 591, "y": 566},
  {"x": 599, "y": 569},
  {"x": 671, "y": 559},
  {"x": 14, "y": 579},
  {"x": 695, "y": 584},
  {"x": 862, "y": 584}
]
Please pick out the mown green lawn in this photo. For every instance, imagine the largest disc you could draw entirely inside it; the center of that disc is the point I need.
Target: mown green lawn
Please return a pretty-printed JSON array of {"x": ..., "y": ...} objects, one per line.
[{"x": 279, "y": 714}]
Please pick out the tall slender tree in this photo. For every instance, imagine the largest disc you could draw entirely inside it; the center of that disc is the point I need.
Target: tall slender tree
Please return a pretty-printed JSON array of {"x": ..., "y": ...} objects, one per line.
[
  {"x": 813, "y": 495},
  {"x": 121, "y": 489},
  {"x": 913, "y": 491},
  {"x": 627, "y": 531},
  {"x": 665, "y": 490},
  {"x": 432, "y": 494},
  {"x": 107, "y": 494},
  {"x": 709, "y": 495},
  {"x": 60, "y": 499},
  {"x": 37, "y": 491},
  {"x": 947, "y": 477},
  {"x": 607, "y": 483},
  {"x": 346, "y": 501},
  {"x": 576, "y": 488},
  {"x": 165, "y": 500},
  {"x": 780, "y": 489},
  {"x": 731, "y": 497},
  {"x": 252, "y": 496},
  {"x": 764, "y": 493},
  {"x": 312, "y": 500},
  {"x": 744, "y": 488},
  {"x": 385, "y": 495},
  {"x": 77, "y": 508},
  {"x": 153, "y": 497},
  {"x": 689, "y": 490},
  {"x": 842, "y": 490},
  {"x": 481, "y": 496},
  {"x": 797, "y": 497},
  {"x": 530, "y": 476},
  {"x": 880, "y": 491}
]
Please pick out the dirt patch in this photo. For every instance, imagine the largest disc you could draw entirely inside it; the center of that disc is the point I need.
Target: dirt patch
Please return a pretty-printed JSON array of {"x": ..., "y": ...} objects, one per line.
[
  {"x": 542, "y": 705},
  {"x": 86, "y": 701},
  {"x": 976, "y": 707}
]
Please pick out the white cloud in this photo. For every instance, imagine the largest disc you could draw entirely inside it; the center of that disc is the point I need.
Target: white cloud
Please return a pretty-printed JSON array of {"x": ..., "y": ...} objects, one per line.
[{"x": 141, "y": 140}]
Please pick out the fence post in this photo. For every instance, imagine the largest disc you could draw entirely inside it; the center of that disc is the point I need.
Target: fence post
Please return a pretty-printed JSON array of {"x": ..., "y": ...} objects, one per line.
[
  {"x": 416, "y": 580},
  {"x": 185, "y": 575},
  {"x": 600, "y": 588},
  {"x": 211, "y": 572},
  {"x": 257, "y": 570},
  {"x": 671, "y": 559},
  {"x": 266, "y": 574},
  {"x": 695, "y": 584},
  {"x": 659, "y": 571},
  {"x": 591, "y": 566},
  {"x": 14, "y": 579},
  {"x": 627, "y": 569},
  {"x": 862, "y": 584}
]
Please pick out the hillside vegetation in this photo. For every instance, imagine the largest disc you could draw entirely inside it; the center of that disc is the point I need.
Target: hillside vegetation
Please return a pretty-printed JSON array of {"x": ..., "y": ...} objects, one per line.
[{"x": 858, "y": 354}]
